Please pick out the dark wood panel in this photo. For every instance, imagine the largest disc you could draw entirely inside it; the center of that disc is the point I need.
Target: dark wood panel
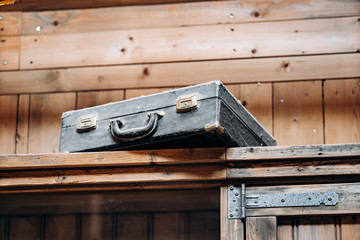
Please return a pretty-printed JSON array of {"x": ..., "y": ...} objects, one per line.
[
  {"x": 133, "y": 226},
  {"x": 61, "y": 227},
  {"x": 204, "y": 225},
  {"x": 28, "y": 227},
  {"x": 170, "y": 225},
  {"x": 97, "y": 226}
]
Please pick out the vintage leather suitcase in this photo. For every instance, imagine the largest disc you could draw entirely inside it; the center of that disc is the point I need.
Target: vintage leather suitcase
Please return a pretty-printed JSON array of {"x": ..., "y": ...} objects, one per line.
[{"x": 205, "y": 115}]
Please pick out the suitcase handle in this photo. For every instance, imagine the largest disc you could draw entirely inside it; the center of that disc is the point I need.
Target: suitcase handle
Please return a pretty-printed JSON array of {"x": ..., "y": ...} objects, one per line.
[{"x": 135, "y": 133}]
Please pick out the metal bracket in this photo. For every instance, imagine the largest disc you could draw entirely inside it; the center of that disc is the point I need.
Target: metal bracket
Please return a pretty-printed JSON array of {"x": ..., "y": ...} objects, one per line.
[{"x": 238, "y": 201}]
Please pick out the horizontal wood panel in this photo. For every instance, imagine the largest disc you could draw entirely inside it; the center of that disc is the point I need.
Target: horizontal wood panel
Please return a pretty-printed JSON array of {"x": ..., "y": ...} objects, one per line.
[
  {"x": 174, "y": 15},
  {"x": 10, "y": 23},
  {"x": 173, "y": 74},
  {"x": 339, "y": 35},
  {"x": 10, "y": 53},
  {"x": 349, "y": 194},
  {"x": 120, "y": 158}
]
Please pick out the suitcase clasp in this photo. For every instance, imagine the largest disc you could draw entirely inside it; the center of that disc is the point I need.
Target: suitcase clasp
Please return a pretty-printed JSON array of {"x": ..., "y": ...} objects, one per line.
[
  {"x": 186, "y": 103},
  {"x": 86, "y": 123}
]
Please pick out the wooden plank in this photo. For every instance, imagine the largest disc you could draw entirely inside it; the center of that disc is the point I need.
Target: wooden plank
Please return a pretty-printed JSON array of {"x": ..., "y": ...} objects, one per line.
[
  {"x": 94, "y": 98},
  {"x": 45, "y": 120},
  {"x": 298, "y": 109},
  {"x": 349, "y": 203},
  {"x": 182, "y": 44},
  {"x": 106, "y": 159},
  {"x": 293, "y": 152},
  {"x": 133, "y": 226},
  {"x": 96, "y": 226},
  {"x": 132, "y": 93},
  {"x": 10, "y": 53},
  {"x": 342, "y": 108},
  {"x": 8, "y": 115},
  {"x": 61, "y": 227},
  {"x": 261, "y": 228},
  {"x": 350, "y": 227},
  {"x": 30, "y": 225},
  {"x": 174, "y": 15},
  {"x": 257, "y": 99},
  {"x": 109, "y": 202},
  {"x": 169, "y": 225},
  {"x": 204, "y": 225},
  {"x": 23, "y": 124},
  {"x": 3, "y": 227},
  {"x": 171, "y": 174},
  {"x": 173, "y": 74},
  {"x": 10, "y": 23},
  {"x": 285, "y": 229},
  {"x": 230, "y": 229},
  {"x": 316, "y": 228}
]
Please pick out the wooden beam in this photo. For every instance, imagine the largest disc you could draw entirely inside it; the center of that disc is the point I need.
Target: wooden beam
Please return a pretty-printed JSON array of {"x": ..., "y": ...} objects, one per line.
[
  {"x": 173, "y": 74},
  {"x": 112, "y": 159},
  {"x": 261, "y": 228},
  {"x": 262, "y": 39},
  {"x": 176, "y": 15},
  {"x": 349, "y": 194}
]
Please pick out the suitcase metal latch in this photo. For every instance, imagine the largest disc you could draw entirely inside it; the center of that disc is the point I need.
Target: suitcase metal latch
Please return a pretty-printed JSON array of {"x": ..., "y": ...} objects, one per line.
[
  {"x": 86, "y": 123},
  {"x": 186, "y": 103}
]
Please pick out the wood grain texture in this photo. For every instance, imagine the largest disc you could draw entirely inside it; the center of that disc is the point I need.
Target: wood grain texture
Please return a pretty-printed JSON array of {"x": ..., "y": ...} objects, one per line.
[
  {"x": 169, "y": 225},
  {"x": 204, "y": 225},
  {"x": 349, "y": 194},
  {"x": 186, "y": 14},
  {"x": 350, "y": 227},
  {"x": 10, "y": 53},
  {"x": 182, "y": 44},
  {"x": 316, "y": 228},
  {"x": 96, "y": 226},
  {"x": 342, "y": 111},
  {"x": 45, "y": 120},
  {"x": 133, "y": 226},
  {"x": 8, "y": 115},
  {"x": 30, "y": 227},
  {"x": 285, "y": 228},
  {"x": 10, "y": 23},
  {"x": 257, "y": 99},
  {"x": 94, "y": 98},
  {"x": 230, "y": 229},
  {"x": 133, "y": 93},
  {"x": 173, "y": 74},
  {"x": 298, "y": 113},
  {"x": 261, "y": 228},
  {"x": 23, "y": 124},
  {"x": 61, "y": 227},
  {"x": 106, "y": 159}
]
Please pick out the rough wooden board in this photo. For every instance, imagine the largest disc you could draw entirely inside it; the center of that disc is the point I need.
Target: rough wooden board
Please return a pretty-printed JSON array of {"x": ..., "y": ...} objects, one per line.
[
  {"x": 173, "y": 15},
  {"x": 10, "y": 53},
  {"x": 293, "y": 152},
  {"x": 8, "y": 114},
  {"x": 349, "y": 194},
  {"x": 94, "y": 98},
  {"x": 45, "y": 120},
  {"x": 342, "y": 111},
  {"x": 23, "y": 124},
  {"x": 230, "y": 229},
  {"x": 169, "y": 225},
  {"x": 133, "y": 226},
  {"x": 30, "y": 225},
  {"x": 120, "y": 158},
  {"x": 257, "y": 99},
  {"x": 110, "y": 201},
  {"x": 316, "y": 228},
  {"x": 173, "y": 74},
  {"x": 284, "y": 230},
  {"x": 61, "y": 227},
  {"x": 261, "y": 228},
  {"x": 204, "y": 225},
  {"x": 96, "y": 226},
  {"x": 182, "y": 44},
  {"x": 170, "y": 174},
  {"x": 9, "y": 23},
  {"x": 298, "y": 109},
  {"x": 132, "y": 93},
  {"x": 350, "y": 227}
]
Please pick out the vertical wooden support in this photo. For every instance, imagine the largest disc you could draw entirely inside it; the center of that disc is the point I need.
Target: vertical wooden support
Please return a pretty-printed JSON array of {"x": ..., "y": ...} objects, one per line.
[
  {"x": 8, "y": 109},
  {"x": 230, "y": 229},
  {"x": 23, "y": 124},
  {"x": 261, "y": 228}
]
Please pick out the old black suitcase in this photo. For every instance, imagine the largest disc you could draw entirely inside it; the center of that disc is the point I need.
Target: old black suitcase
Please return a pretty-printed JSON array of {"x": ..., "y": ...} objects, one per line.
[{"x": 205, "y": 115}]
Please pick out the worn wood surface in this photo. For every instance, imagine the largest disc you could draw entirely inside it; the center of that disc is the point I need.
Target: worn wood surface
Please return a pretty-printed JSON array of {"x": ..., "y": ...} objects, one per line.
[
  {"x": 342, "y": 111},
  {"x": 22, "y": 132},
  {"x": 350, "y": 227},
  {"x": 61, "y": 227},
  {"x": 94, "y": 98},
  {"x": 181, "y": 44},
  {"x": 96, "y": 226},
  {"x": 169, "y": 226},
  {"x": 204, "y": 225},
  {"x": 173, "y": 74},
  {"x": 10, "y": 23},
  {"x": 298, "y": 109},
  {"x": 31, "y": 225},
  {"x": 10, "y": 53},
  {"x": 308, "y": 229},
  {"x": 133, "y": 93},
  {"x": 134, "y": 226},
  {"x": 261, "y": 228},
  {"x": 8, "y": 114}
]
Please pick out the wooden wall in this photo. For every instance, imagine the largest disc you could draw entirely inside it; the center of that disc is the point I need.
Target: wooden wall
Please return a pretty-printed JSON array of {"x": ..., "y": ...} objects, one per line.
[{"x": 295, "y": 65}]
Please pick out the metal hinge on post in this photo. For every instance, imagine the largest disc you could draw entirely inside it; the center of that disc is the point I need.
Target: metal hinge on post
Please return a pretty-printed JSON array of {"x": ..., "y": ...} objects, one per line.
[{"x": 238, "y": 201}]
